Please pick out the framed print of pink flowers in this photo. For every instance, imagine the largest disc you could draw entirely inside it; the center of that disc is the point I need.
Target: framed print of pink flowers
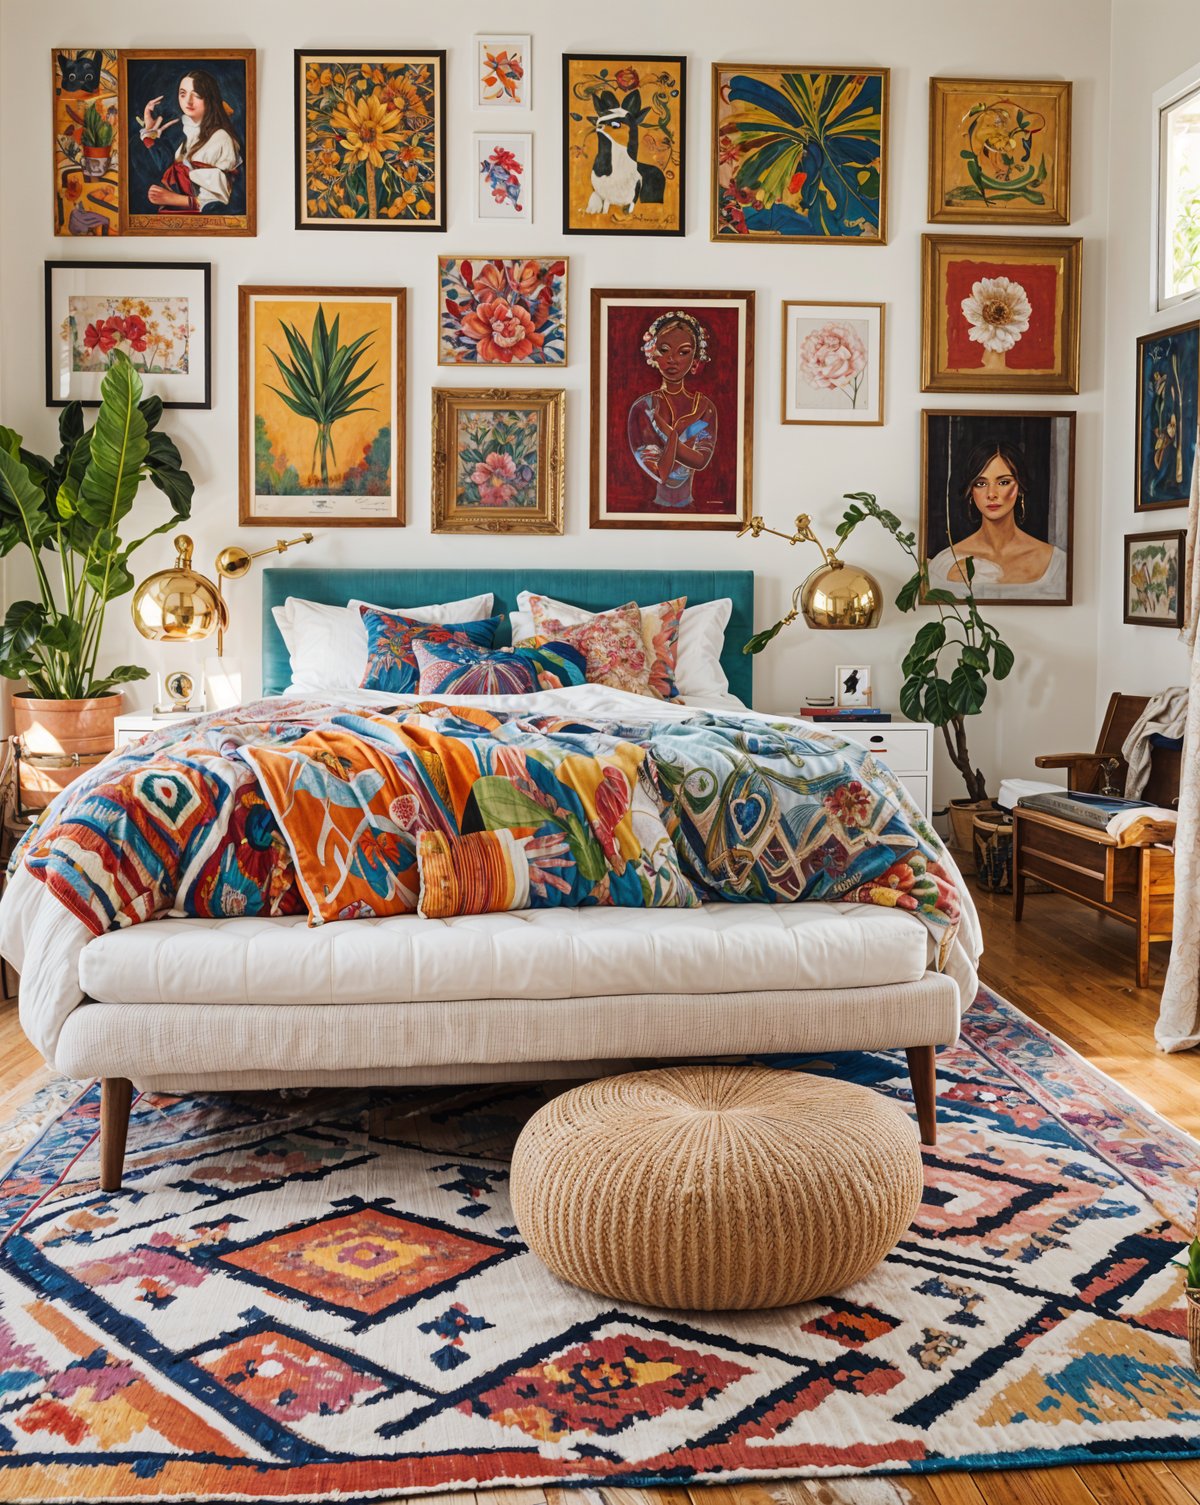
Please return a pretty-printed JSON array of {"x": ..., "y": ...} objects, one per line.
[
  {"x": 832, "y": 363},
  {"x": 502, "y": 311},
  {"x": 503, "y": 177},
  {"x": 501, "y": 77},
  {"x": 498, "y": 460}
]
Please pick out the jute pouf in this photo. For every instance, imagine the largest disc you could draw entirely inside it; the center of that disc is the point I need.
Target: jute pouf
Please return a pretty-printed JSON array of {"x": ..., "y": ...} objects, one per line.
[{"x": 707, "y": 1188}]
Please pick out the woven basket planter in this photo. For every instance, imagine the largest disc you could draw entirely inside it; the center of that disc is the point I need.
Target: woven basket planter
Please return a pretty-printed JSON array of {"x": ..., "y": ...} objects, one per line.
[{"x": 1193, "y": 1325}]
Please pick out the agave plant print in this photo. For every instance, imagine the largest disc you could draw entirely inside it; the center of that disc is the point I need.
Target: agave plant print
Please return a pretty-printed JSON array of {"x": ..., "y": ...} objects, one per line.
[
  {"x": 498, "y": 461},
  {"x": 799, "y": 153},
  {"x": 371, "y": 140},
  {"x": 502, "y": 310},
  {"x": 322, "y": 394}
]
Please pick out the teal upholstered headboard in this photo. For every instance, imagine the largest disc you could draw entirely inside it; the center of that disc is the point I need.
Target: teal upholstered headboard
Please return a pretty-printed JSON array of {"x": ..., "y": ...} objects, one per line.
[{"x": 593, "y": 589}]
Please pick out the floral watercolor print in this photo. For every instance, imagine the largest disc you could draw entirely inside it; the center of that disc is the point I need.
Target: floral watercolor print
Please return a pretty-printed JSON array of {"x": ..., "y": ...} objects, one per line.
[
  {"x": 1000, "y": 152},
  {"x": 498, "y": 458},
  {"x": 87, "y": 143},
  {"x": 1153, "y": 567},
  {"x": 152, "y": 332},
  {"x": 1167, "y": 416},
  {"x": 833, "y": 363},
  {"x": 623, "y": 145},
  {"x": 502, "y": 311},
  {"x": 503, "y": 177},
  {"x": 799, "y": 154},
  {"x": 371, "y": 137},
  {"x": 502, "y": 73}
]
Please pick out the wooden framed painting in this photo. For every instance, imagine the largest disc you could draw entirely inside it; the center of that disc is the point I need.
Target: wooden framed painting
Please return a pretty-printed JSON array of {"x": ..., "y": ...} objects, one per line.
[
  {"x": 1000, "y": 314},
  {"x": 188, "y": 131},
  {"x": 1154, "y": 578},
  {"x": 498, "y": 461},
  {"x": 87, "y": 141},
  {"x": 321, "y": 379},
  {"x": 503, "y": 178},
  {"x": 832, "y": 363},
  {"x": 672, "y": 409},
  {"x": 624, "y": 162},
  {"x": 1168, "y": 413},
  {"x": 370, "y": 140},
  {"x": 999, "y": 151},
  {"x": 799, "y": 153},
  {"x": 502, "y": 310},
  {"x": 999, "y": 489},
  {"x": 500, "y": 78},
  {"x": 156, "y": 313}
]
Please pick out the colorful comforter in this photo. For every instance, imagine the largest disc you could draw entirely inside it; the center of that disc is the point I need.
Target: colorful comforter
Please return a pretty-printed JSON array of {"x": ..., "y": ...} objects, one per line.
[{"x": 267, "y": 810}]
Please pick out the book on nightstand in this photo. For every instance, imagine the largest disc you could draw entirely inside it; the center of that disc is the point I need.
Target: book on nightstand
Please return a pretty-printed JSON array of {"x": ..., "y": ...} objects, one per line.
[{"x": 846, "y": 713}]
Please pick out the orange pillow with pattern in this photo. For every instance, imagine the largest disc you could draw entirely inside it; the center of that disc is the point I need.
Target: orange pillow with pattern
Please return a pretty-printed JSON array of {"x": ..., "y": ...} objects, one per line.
[
  {"x": 611, "y": 643},
  {"x": 658, "y": 627}
]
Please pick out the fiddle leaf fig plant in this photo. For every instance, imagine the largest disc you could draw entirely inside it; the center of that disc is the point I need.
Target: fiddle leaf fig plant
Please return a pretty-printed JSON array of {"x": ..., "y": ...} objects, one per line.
[{"x": 67, "y": 513}]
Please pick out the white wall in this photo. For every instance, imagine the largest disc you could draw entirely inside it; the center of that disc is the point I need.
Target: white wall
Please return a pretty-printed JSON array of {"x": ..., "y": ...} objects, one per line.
[
  {"x": 1138, "y": 660},
  {"x": 1048, "y": 703}
]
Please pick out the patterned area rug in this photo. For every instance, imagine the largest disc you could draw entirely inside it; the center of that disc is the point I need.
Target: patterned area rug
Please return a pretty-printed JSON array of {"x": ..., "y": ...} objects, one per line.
[{"x": 324, "y": 1296}]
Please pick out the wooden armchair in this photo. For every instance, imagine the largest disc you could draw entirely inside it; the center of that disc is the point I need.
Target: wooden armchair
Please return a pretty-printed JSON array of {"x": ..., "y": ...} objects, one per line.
[{"x": 1104, "y": 770}]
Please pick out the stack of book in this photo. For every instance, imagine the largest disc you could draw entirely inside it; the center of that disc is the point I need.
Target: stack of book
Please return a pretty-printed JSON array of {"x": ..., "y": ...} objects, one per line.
[
  {"x": 1094, "y": 810},
  {"x": 846, "y": 713}
]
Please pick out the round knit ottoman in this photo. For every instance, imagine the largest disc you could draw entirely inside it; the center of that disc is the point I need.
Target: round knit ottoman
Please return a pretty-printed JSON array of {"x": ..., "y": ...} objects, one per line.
[{"x": 706, "y": 1188}]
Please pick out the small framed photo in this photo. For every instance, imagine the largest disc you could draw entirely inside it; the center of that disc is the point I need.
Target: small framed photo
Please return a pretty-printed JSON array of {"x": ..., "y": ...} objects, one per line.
[
  {"x": 156, "y": 313},
  {"x": 852, "y": 685},
  {"x": 498, "y": 464},
  {"x": 832, "y": 363},
  {"x": 1168, "y": 412},
  {"x": 503, "y": 177},
  {"x": 501, "y": 78},
  {"x": 1154, "y": 565},
  {"x": 502, "y": 310}
]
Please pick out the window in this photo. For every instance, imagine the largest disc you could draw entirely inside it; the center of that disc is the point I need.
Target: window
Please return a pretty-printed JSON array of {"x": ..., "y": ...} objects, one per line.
[{"x": 1178, "y": 177}]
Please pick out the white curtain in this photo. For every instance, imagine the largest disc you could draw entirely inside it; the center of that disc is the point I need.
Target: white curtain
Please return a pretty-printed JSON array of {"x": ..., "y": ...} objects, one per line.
[{"x": 1178, "y": 1025}]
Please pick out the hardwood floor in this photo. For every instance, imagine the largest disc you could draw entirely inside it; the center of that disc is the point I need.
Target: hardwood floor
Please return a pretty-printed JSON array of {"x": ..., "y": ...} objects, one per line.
[{"x": 1072, "y": 971}]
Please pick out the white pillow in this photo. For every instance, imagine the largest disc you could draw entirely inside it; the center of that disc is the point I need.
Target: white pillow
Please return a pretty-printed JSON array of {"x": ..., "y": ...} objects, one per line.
[
  {"x": 328, "y": 644},
  {"x": 698, "y": 671}
]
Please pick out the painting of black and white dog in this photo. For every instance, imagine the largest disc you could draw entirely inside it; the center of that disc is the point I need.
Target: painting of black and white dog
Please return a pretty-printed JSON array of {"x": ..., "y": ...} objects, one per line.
[{"x": 618, "y": 179}]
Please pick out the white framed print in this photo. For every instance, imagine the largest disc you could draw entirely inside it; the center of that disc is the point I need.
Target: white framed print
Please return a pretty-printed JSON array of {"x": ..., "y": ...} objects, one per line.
[
  {"x": 852, "y": 685},
  {"x": 503, "y": 178},
  {"x": 500, "y": 79},
  {"x": 832, "y": 363}
]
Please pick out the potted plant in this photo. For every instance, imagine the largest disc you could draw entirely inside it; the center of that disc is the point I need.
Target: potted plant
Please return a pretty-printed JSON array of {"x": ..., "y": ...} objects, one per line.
[
  {"x": 96, "y": 139},
  {"x": 67, "y": 512},
  {"x": 1192, "y": 1296}
]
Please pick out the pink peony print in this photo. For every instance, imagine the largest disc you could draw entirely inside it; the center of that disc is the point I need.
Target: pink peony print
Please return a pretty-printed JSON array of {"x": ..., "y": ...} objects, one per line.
[
  {"x": 493, "y": 476},
  {"x": 834, "y": 358}
]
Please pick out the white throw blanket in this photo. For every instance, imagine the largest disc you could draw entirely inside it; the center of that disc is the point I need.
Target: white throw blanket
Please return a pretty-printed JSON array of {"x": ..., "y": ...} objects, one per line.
[{"x": 1165, "y": 716}]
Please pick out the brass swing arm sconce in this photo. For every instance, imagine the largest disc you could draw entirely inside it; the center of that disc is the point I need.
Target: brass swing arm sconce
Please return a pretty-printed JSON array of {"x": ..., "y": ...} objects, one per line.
[{"x": 836, "y": 595}]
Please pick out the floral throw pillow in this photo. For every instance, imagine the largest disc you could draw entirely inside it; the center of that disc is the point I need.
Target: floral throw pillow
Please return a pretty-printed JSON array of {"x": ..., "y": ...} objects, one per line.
[
  {"x": 657, "y": 628},
  {"x": 458, "y": 669},
  {"x": 391, "y": 663},
  {"x": 611, "y": 641}
]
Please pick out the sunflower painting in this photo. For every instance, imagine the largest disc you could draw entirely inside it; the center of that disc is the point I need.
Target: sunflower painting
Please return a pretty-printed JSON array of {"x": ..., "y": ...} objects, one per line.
[{"x": 371, "y": 141}]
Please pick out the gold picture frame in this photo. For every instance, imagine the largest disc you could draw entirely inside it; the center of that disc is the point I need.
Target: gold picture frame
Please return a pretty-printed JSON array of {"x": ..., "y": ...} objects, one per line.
[
  {"x": 1000, "y": 313},
  {"x": 999, "y": 151},
  {"x": 498, "y": 459}
]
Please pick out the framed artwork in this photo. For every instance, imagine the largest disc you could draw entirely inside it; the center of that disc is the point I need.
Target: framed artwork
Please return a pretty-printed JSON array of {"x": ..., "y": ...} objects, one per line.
[
  {"x": 87, "y": 141},
  {"x": 321, "y": 380},
  {"x": 672, "y": 409},
  {"x": 999, "y": 152},
  {"x": 998, "y": 488},
  {"x": 1168, "y": 412},
  {"x": 501, "y": 78},
  {"x": 503, "y": 177},
  {"x": 832, "y": 363},
  {"x": 1000, "y": 314},
  {"x": 1154, "y": 579},
  {"x": 852, "y": 685},
  {"x": 799, "y": 153},
  {"x": 188, "y": 132},
  {"x": 498, "y": 464},
  {"x": 624, "y": 123},
  {"x": 158, "y": 314},
  {"x": 502, "y": 311},
  {"x": 370, "y": 140}
]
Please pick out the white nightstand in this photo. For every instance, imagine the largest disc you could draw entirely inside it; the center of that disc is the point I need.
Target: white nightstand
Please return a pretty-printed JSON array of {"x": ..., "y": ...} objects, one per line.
[
  {"x": 905, "y": 746},
  {"x": 135, "y": 724}
]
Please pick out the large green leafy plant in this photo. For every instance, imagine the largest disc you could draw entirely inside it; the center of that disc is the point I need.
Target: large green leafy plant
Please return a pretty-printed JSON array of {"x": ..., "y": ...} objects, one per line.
[{"x": 67, "y": 511}]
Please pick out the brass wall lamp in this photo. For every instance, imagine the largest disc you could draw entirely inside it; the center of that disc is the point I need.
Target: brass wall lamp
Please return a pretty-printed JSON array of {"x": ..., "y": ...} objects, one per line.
[{"x": 836, "y": 595}]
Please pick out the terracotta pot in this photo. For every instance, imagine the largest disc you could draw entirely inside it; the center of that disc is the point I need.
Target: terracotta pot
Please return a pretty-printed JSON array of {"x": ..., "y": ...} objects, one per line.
[
  {"x": 96, "y": 160},
  {"x": 59, "y": 740}
]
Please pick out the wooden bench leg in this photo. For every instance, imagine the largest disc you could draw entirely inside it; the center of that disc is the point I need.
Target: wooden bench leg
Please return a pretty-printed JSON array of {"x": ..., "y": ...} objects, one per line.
[
  {"x": 116, "y": 1095},
  {"x": 922, "y": 1071}
]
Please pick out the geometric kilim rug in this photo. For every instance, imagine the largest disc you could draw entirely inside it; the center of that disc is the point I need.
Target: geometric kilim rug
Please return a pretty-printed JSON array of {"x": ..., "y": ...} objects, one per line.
[{"x": 324, "y": 1296}]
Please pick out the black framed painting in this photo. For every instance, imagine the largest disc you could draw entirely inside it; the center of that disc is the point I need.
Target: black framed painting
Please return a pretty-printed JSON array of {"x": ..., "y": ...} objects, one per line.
[{"x": 1153, "y": 577}]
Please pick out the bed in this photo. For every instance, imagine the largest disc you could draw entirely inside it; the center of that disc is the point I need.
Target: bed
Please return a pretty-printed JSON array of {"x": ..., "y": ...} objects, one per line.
[{"x": 229, "y": 1003}]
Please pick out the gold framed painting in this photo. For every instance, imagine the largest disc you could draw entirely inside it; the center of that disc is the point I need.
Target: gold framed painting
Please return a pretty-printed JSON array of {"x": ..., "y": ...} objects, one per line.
[
  {"x": 321, "y": 379},
  {"x": 1000, "y": 313},
  {"x": 799, "y": 153},
  {"x": 498, "y": 463},
  {"x": 999, "y": 151}
]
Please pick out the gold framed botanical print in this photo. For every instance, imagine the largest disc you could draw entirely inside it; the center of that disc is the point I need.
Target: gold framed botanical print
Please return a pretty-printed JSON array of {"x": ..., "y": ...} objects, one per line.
[
  {"x": 498, "y": 464},
  {"x": 999, "y": 151}
]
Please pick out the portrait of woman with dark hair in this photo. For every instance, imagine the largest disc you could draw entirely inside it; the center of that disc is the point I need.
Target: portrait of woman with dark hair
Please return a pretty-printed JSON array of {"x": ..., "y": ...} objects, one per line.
[
  {"x": 203, "y": 170},
  {"x": 673, "y": 429}
]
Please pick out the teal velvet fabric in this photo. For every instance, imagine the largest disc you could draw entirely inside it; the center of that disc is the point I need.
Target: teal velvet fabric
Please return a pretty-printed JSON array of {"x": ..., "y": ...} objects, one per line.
[{"x": 595, "y": 590}]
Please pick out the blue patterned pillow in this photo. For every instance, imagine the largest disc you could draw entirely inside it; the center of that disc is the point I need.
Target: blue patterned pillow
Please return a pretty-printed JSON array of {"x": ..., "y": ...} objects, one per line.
[
  {"x": 391, "y": 664},
  {"x": 451, "y": 669}
]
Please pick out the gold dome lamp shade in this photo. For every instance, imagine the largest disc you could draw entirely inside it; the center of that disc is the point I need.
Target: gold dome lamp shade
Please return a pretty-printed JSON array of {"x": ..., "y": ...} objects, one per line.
[{"x": 836, "y": 596}]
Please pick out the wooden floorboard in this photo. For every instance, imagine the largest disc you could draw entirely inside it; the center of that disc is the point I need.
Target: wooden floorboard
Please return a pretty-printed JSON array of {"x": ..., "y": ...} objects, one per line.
[{"x": 1073, "y": 971}]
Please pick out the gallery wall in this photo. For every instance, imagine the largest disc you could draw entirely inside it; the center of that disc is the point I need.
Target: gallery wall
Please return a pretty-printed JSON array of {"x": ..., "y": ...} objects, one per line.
[{"x": 1049, "y": 700}]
